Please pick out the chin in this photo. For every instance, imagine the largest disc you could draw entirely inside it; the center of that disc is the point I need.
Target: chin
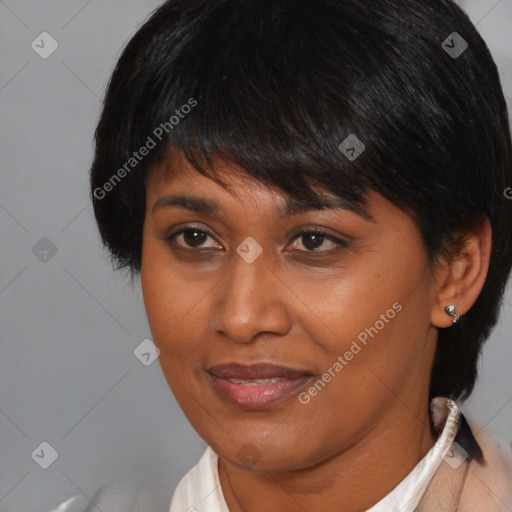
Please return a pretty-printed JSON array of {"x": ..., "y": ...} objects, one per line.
[{"x": 263, "y": 456}]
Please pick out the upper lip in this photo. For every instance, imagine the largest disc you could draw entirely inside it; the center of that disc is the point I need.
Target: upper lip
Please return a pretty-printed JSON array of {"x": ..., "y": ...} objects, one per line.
[{"x": 256, "y": 371}]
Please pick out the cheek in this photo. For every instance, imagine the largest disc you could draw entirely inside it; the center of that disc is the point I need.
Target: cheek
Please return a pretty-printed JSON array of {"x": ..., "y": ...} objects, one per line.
[
  {"x": 342, "y": 307},
  {"x": 365, "y": 368},
  {"x": 175, "y": 306},
  {"x": 161, "y": 289},
  {"x": 169, "y": 312},
  {"x": 376, "y": 321}
]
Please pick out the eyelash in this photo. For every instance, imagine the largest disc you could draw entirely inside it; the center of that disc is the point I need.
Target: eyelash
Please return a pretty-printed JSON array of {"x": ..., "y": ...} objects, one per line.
[{"x": 326, "y": 236}]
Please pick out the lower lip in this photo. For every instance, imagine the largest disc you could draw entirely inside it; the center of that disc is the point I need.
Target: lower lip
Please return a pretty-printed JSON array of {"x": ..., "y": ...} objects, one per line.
[{"x": 257, "y": 396}]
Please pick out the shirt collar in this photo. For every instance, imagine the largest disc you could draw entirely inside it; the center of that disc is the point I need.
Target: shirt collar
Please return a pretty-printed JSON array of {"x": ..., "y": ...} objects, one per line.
[{"x": 407, "y": 494}]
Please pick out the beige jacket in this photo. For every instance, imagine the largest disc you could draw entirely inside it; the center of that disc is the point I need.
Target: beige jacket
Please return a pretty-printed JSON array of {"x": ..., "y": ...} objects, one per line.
[{"x": 472, "y": 486}]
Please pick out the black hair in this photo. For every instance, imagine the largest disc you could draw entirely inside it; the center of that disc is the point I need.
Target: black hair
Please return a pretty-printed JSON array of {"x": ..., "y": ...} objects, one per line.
[{"x": 276, "y": 86}]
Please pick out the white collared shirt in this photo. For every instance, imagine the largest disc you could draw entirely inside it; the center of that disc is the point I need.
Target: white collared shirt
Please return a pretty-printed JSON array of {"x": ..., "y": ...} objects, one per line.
[{"x": 200, "y": 490}]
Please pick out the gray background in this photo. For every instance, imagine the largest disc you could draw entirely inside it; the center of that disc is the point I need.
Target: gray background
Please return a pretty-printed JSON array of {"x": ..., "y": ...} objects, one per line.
[{"x": 69, "y": 325}]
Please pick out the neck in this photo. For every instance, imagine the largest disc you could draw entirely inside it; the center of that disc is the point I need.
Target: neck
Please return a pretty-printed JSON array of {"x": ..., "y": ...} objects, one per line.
[{"x": 353, "y": 480}]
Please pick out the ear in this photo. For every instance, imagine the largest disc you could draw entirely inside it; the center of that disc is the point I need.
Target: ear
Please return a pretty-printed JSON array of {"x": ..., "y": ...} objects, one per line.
[{"x": 460, "y": 279}]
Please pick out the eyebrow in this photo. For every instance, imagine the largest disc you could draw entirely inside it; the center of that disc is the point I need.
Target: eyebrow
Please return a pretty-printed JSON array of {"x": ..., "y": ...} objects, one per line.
[{"x": 293, "y": 206}]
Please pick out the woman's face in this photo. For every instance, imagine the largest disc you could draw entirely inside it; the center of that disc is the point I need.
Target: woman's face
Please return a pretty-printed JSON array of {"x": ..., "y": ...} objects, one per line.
[{"x": 347, "y": 314}]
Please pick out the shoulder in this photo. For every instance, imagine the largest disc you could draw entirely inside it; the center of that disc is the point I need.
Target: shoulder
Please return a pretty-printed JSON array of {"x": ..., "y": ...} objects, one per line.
[
  {"x": 121, "y": 496},
  {"x": 198, "y": 491},
  {"x": 475, "y": 475},
  {"x": 489, "y": 484}
]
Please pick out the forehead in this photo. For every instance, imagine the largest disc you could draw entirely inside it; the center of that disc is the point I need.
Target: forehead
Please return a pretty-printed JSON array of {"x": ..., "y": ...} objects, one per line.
[{"x": 176, "y": 182}]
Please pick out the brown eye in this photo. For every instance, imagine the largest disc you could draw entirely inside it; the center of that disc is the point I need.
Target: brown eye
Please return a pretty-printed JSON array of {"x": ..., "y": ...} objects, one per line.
[
  {"x": 191, "y": 238},
  {"x": 312, "y": 241},
  {"x": 315, "y": 240},
  {"x": 194, "y": 237}
]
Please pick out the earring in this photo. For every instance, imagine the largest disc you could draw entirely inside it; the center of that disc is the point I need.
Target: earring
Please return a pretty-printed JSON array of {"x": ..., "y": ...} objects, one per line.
[{"x": 452, "y": 311}]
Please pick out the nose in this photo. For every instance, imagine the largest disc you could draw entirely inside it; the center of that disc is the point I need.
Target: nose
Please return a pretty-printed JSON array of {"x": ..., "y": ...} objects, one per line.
[{"x": 250, "y": 300}]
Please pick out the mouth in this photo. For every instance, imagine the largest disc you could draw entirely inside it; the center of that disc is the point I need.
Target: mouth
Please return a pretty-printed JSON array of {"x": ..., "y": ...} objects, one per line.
[{"x": 257, "y": 386}]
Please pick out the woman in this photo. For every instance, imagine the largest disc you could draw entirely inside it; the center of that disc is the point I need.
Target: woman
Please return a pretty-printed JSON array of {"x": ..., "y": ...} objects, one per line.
[{"x": 314, "y": 194}]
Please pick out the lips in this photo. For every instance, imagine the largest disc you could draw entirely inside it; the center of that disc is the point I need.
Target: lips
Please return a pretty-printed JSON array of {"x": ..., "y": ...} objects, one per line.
[
  {"x": 256, "y": 386},
  {"x": 256, "y": 371}
]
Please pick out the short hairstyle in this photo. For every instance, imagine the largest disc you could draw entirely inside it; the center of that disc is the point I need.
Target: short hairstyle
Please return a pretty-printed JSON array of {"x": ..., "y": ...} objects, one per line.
[{"x": 275, "y": 86}]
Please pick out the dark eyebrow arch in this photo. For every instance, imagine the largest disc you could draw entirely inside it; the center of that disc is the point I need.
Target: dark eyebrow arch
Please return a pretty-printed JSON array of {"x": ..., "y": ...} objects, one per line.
[
  {"x": 295, "y": 206},
  {"x": 292, "y": 206},
  {"x": 194, "y": 204}
]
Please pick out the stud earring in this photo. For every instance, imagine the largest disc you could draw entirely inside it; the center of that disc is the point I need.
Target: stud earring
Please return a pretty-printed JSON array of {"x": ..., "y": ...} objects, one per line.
[{"x": 452, "y": 311}]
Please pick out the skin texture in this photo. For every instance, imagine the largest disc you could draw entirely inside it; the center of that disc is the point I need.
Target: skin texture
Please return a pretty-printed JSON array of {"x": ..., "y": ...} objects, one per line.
[{"x": 367, "y": 429}]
